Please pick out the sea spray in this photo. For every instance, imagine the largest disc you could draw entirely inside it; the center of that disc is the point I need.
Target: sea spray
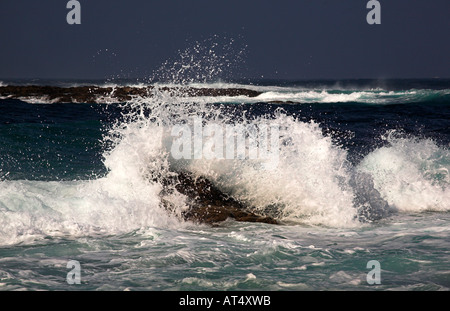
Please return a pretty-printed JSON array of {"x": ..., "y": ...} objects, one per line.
[
  {"x": 209, "y": 60},
  {"x": 309, "y": 182},
  {"x": 412, "y": 174}
]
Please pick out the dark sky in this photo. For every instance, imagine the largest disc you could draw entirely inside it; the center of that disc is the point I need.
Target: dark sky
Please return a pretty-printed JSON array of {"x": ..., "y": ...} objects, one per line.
[{"x": 285, "y": 39}]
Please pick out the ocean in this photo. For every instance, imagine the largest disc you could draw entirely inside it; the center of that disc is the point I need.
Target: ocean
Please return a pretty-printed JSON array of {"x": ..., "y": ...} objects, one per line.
[{"x": 360, "y": 189}]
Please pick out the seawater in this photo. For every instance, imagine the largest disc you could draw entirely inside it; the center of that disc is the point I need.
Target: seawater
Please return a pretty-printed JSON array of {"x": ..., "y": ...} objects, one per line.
[{"x": 362, "y": 174}]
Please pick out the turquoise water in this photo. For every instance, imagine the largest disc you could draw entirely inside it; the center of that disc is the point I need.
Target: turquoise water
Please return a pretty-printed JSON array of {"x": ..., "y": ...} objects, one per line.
[{"x": 412, "y": 250}]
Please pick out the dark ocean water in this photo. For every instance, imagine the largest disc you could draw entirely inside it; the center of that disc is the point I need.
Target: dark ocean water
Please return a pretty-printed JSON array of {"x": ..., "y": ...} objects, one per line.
[{"x": 73, "y": 186}]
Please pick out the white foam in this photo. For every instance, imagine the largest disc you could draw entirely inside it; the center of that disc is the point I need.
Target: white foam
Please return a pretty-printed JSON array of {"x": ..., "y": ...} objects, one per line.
[
  {"x": 33, "y": 210},
  {"x": 38, "y": 100},
  {"x": 311, "y": 96},
  {"x": 309, "y": 183},
  {"x": 411, "y": 174},
  {"x": 301, "y": 95}
]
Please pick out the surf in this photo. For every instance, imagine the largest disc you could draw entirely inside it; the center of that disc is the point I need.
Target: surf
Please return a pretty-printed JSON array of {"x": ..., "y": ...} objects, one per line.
[{"x": 312, "y": 183}]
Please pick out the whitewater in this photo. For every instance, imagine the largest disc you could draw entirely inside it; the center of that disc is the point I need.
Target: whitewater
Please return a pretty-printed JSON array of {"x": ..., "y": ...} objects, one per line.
[{"x": 362, "y": 174}]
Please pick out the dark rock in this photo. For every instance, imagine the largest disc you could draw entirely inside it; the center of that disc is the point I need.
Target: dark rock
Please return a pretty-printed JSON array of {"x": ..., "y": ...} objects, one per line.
[
  {"x": 93, "y": 94},
  {"x": 207, "y": 204}
]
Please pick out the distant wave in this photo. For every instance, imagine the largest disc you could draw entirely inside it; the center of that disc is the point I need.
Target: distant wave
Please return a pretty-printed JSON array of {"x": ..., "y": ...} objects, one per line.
[{"x": 219, "y": 93}]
